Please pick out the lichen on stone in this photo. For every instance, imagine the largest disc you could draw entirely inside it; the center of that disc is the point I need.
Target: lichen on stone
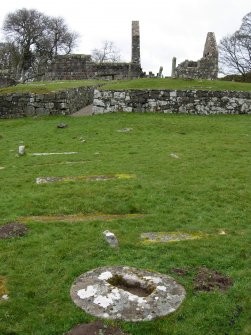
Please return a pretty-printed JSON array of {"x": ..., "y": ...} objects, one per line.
[
  {"x": 167, "y": 237},
  {"x": 116, "y": 293}
]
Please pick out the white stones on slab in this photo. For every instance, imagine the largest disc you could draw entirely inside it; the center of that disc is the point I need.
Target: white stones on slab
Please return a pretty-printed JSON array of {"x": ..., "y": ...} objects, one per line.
[
  {"x": 116, "y": 293},
  {"x": 53, "y": 153},
  {"x": 166, "y": 237},
  {"x": 87, "y": 293},
  {"x": 111, "y": 239},
  {"x": 105, "y": 275}
]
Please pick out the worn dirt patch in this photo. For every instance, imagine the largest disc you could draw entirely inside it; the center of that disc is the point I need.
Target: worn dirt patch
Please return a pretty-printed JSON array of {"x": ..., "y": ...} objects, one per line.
[
  {"x": 180, "y": 271},
  {"x": 211, "y": 280},
  {"x": 80, "y": 217},
  {"x": 11, "y": 230},
  {"x": 95, "y": 328},
  {"x": 3, "y": 289}
]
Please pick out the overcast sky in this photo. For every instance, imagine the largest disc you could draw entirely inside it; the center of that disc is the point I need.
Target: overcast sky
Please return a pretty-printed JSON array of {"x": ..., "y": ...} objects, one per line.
[{"x": 167, "y": 27}]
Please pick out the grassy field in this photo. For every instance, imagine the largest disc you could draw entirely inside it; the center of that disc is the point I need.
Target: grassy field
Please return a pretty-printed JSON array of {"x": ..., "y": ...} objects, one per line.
[
  {"x": 146, "y": 83},
  {"x": 205, "y": 190}
]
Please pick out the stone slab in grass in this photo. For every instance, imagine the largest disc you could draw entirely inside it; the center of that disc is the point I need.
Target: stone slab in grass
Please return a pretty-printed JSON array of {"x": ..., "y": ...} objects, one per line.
[
  {"x": 80, "y": 217},
  {"x": 95, "y": 328},
  {"x": 126, "y": 293},
  {"x": 125, "y": 130},
  {"x": 47, "y": 180},
  {"x": 166, "y": 237},
  {"x": 13, "y": 229},
  {"x": 53, "y": 153}
]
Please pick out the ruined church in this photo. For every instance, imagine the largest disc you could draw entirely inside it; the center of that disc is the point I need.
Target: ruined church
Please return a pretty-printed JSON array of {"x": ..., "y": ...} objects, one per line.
[
  {"x": 205, "y": 68},
  {"x": 79, "y": 66}
]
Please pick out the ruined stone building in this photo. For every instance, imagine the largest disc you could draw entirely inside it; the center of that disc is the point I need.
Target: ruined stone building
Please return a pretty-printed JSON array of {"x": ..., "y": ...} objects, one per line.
[
  {"x": 205, "y": 68},
  {"x": 80, "y": 66}
]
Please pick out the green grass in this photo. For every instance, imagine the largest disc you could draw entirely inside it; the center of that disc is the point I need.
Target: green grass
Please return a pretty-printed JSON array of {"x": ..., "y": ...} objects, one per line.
[
  {"x": 177, "y": 84},
  {"x": 48, "y": 86},
  {"x": 137, "y": 84},
  {"x": 207, "y": 189}
]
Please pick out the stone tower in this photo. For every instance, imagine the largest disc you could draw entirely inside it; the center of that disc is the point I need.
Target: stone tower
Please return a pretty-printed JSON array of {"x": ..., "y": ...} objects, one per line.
[
  {"x": 210, "y": 49},
  {"x": 135, "y": 42}
]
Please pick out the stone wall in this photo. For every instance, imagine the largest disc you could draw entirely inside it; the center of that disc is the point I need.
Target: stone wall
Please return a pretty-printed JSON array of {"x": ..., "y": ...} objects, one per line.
[
  {"x": 170, "y": 101},
  {"x": 77, "y": 67},
  {"x": 14, "y": 105}
]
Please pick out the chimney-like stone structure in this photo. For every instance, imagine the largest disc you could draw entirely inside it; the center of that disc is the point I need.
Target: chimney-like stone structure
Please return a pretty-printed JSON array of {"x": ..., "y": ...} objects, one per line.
[
  {"x": 135, "y": 42},
  {"x": 210, "y": 48}
]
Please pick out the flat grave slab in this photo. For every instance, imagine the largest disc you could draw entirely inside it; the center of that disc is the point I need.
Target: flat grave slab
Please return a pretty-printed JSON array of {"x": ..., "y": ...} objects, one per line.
[
  {"x": 166, "y": 237},
  {"x": 80, "y": 217},
  {"x": 47, "y": 180}
]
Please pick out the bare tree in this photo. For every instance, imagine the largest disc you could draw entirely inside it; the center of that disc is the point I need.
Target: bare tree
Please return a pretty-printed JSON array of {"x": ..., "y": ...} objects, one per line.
[
  {"x": 9, "y": 57},
  {"x": 22, "y": 29},
  {"x": 107, "y": 53},
  {"x": 36, "y": 38},
  {"x": 235, "y": 49}
]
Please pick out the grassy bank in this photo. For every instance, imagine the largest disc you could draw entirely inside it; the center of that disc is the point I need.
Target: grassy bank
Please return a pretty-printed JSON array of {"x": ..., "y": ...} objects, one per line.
[
  {"x": 191, "y": 175},
  {"x": 137, "y": 84},
  {"x": 48, "y": 86},
  {"x": 177, "y": 84}
]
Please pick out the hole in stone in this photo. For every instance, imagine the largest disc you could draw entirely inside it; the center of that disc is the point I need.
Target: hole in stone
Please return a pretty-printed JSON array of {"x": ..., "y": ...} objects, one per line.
[{"x": 136, "y": 287}]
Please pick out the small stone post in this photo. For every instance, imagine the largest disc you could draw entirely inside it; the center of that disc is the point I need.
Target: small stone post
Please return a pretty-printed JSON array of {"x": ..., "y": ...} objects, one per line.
[{"x": 173, "y": 67}]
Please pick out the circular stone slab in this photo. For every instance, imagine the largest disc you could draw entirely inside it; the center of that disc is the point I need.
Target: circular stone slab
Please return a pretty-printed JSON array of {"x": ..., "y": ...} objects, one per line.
[{"x": 126, "y": 293}]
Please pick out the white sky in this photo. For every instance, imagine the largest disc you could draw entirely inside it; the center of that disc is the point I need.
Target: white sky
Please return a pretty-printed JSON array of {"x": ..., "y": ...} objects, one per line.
[{"x": 167, "y": 27}]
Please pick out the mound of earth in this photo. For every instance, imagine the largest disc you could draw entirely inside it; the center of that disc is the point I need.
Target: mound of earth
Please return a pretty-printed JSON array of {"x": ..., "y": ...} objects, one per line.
[
  {"x": 13, "y": 229},
  {"x": 210, "y": 280},
  {"x": 95, "y": 328}
]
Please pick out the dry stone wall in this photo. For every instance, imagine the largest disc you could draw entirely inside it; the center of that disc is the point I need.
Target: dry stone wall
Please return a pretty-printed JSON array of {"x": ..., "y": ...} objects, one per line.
[
  {"x": 170, "y": 101},
  {"x": 14, "y": 105}
]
